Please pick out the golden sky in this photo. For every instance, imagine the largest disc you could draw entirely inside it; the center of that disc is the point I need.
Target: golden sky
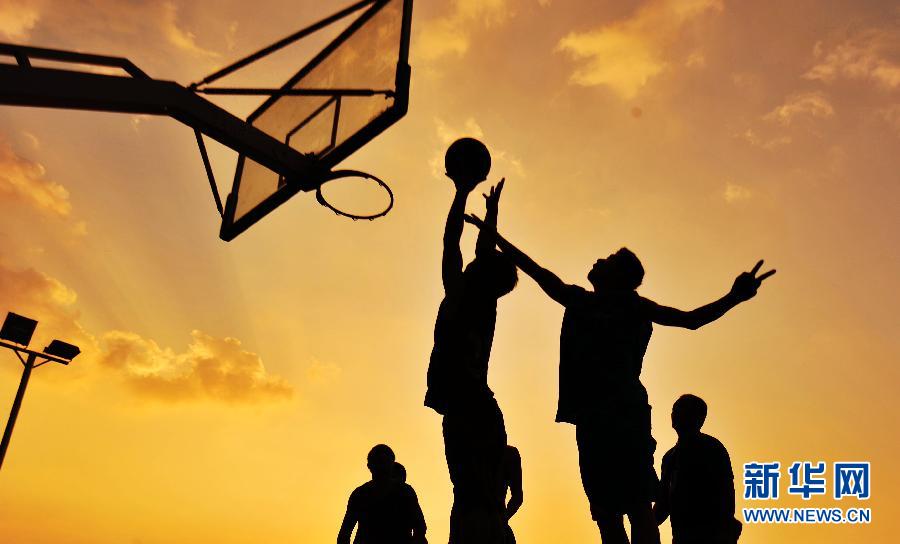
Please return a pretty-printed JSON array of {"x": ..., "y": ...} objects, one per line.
[{"x": 229, "y": 392}]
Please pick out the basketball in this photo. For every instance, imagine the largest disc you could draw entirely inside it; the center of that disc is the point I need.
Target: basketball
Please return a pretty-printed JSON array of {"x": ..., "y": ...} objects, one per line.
[{"x": 467, "y": 161}]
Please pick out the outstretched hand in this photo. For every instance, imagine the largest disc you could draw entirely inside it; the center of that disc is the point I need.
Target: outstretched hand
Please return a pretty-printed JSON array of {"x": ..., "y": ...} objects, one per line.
[
  {"x": 492, "y": 198},
  {"x": 747, "y": 283}
]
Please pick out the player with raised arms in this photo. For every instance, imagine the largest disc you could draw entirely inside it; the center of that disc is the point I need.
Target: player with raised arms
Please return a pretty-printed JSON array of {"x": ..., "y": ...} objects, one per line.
[
  {"x": 473, "y": 427},
  {"x": 605, "y": 332}
]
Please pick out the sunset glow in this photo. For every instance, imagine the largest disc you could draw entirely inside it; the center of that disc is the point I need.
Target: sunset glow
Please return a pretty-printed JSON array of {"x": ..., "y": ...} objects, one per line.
[{"x": 229, "y": 392}]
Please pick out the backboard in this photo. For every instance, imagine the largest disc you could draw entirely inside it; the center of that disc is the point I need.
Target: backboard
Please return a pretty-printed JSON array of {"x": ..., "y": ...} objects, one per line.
[{"x": 345, "y": 96}]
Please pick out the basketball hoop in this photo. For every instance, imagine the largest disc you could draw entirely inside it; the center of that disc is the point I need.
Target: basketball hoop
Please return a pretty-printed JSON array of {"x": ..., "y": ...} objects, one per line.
[
  {"x": 336, "y": 102},
  {"x": 340, "y": 174}
]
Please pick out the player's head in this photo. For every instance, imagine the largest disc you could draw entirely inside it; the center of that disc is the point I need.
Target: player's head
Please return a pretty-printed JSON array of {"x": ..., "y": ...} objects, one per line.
[
  {"x": 688, "y": 414},
  {"x": 467, "y": 162},
  {"x": 620, "y": 271},
  {"x": 398, "y": 472},
  {"x": 493, "y": 272},
  {"x": 381, "y": 462}
]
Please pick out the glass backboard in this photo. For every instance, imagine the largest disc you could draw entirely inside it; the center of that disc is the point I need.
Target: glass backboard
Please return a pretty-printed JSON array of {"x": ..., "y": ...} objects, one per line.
[{"x": 345, "y": 96}]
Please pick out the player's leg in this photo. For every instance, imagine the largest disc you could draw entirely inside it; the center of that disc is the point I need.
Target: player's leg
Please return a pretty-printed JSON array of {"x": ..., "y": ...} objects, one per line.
[
  {"x": 643, "y": 525},
  {"x": 596, "y": 464},
  {"x": 612, "y": 528},
  {"x": 487, "y": 433},
  {"x": 474, "y": 438},
  {"x": 454, "y": 450}
]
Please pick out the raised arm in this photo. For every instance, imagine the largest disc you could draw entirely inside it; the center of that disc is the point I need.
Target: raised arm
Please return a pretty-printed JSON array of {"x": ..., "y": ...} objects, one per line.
[
  {"x": 451, "y": 263},
  {"x": 548, "y": 281},
  {"x": 487, "y": 238},
  {"x": 745, "y": 287}
]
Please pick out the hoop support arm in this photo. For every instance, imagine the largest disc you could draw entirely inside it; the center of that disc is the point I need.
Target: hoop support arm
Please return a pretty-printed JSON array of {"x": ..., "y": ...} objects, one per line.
[
  {"x": 254, "y": 91},
  {"x": 53, "y": 88},
  {"x": 27, "y": 53}
]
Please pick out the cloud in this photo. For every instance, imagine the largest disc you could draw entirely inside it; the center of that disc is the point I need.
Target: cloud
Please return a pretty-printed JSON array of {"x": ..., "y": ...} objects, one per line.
[
  {"x": 778, "y": 127},
  {"x": 211, "y": 368},
  {"x": 103, "y": 24},
  {"x": 750, "y": 136},
  {"x": 33, "y": 142},
  {"x": 24, "y": 187},
  {"x": 217, "y": 369},
  {"x": 447, "y": 135},
  {"x": 138, "y": 120},
  {"x": 626, "y": 54},
  {"x": 801, "y": 105},
  {"x": 451, "y": 34},
  {"x": 28, "y": 292},
  {"x": 871, "y": 55},
  {"x": 891, "y": 116},
  {"x": 177, "y": 36},
  {"x": 231, "y": 35},
  {"x": 695, "y": 60},
  {"x": 735, "y": 193},
  {"x": 17, "y": 18},
  {"x": 24, "y": 182}
]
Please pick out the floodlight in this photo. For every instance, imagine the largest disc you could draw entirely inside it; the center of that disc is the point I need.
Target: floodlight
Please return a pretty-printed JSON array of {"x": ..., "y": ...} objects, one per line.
[
  {"x": 62, "y": 350},
  {"x": 17, "y": 329}
]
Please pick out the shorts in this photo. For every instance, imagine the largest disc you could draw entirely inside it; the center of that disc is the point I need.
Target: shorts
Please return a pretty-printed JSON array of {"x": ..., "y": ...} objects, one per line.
[{"x": 615, "y": 455}]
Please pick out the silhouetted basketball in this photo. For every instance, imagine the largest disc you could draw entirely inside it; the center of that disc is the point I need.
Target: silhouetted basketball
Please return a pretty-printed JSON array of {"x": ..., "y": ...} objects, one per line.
[{"x": 468, "y": 161}]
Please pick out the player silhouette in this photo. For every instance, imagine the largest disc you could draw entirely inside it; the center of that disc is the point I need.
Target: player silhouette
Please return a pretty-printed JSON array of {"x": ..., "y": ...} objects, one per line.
[
  {"x": 697, "y": 488},
  {"x": 473, "y": 427},
  {"x": 604, "y": 336},
  {"x": 385, "y": 508}
]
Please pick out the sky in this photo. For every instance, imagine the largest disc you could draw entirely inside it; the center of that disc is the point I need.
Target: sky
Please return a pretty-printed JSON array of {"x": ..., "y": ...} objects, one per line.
[{"x": 229, "y": 392}]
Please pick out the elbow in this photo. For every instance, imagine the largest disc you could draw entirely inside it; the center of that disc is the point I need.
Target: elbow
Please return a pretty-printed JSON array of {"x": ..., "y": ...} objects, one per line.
[{"x": 515, "y": 502}]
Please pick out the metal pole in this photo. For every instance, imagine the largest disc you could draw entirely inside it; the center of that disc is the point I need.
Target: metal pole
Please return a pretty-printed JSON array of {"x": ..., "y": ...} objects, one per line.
[{"x": 17, "y": 404}]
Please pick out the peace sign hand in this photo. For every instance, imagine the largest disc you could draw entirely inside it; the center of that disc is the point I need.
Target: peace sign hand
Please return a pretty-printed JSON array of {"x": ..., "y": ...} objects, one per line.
[{"x": 747, "y": 283}]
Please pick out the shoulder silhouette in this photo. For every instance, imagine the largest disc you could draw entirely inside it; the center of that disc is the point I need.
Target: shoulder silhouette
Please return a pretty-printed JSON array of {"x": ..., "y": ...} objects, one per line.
[
  {"x": 697, "y": 487},
  {"x": 384, "y": 510}
]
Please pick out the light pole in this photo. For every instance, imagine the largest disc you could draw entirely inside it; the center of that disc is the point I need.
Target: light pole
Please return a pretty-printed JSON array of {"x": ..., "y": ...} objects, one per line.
[{"x": 15, "y": 335}]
